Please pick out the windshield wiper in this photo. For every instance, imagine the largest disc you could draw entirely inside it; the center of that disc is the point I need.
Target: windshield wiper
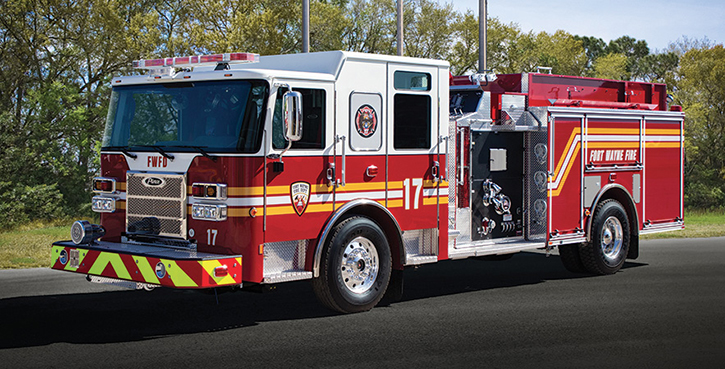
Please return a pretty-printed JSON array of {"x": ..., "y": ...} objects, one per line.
[
  {"x": 122, "y": 149},
  {"x": 159, "y": 150},
  {"x": 201, "y": 150}
]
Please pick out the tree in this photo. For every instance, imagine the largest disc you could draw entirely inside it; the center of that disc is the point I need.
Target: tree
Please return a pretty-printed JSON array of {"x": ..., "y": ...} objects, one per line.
[
  {"x": 428, "y": 32},
  {"x": 611, "y": 66},
  {"x": 701, "y": 92}
]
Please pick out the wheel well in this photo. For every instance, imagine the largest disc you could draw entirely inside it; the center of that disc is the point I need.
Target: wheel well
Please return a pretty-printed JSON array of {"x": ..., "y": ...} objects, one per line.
[
  {"x": 623, "y": 197},
  {"x": 379, "y": 215}
]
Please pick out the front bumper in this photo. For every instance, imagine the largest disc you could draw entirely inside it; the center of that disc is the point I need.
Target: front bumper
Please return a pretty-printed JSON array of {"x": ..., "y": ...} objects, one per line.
[{"x": 144, "y": 263}]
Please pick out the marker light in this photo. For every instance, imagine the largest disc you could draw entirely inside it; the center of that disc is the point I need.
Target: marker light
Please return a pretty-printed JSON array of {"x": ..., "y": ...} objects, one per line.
[
  {"x": 211, "y": 191},
  {"x": 221, "y": 271},
  {"x": 196, "y": 60},
  {"x": 83, "y": 232},
  {"x": 104, "y": 185}
]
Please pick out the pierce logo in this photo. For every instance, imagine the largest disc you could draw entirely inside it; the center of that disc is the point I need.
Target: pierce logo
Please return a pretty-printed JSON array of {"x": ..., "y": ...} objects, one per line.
[
  {"x": 153, "y": 182},
  {"x": 366, "y": 121},
  {"x": 300, "y": 195}
]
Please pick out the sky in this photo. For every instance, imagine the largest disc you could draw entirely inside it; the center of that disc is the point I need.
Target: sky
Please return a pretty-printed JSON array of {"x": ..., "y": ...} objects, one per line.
[{"x": 659, "y": 22}]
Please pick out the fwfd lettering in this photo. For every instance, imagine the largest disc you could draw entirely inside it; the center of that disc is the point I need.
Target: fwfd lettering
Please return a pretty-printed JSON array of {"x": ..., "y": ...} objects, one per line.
[
  {"x": 157, "y": 162},
  {"x": 613, "y": 155}
]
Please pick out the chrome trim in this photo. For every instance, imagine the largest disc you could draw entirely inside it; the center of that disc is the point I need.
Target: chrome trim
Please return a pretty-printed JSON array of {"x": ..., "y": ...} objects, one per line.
[
  {"x": 588, "y": 226},
  {"x": 333, "y": 220},
  {"x": 113, "y": 202},
  {"x": 665, "y": 227}
]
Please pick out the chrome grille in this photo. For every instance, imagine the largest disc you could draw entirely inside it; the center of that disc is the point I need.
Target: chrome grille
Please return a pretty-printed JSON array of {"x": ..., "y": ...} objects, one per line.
[{"x": 160, "y": 208}]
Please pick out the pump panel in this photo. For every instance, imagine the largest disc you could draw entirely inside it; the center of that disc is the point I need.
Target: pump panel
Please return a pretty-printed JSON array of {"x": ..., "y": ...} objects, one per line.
[{"x": 497, "y": 169}]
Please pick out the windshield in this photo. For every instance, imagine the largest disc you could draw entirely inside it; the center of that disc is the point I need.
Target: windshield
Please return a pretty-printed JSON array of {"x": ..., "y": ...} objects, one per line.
[{"x": 221, "y": 116}]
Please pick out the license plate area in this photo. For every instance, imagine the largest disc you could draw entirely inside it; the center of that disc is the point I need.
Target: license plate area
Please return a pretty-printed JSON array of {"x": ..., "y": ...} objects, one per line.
[{"x": 75, "y": 258}]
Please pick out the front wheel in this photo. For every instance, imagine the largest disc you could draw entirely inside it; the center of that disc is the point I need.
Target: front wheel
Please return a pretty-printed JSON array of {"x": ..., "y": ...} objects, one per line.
[
  {"x": 355, "y": 268},
  {"x": 609, "y": 245}
]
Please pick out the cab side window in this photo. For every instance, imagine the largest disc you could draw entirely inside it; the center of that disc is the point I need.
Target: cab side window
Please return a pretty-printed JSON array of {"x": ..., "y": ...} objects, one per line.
[
  {"x": 313, "y": 121},
  {"x": 412, "y": 121}
]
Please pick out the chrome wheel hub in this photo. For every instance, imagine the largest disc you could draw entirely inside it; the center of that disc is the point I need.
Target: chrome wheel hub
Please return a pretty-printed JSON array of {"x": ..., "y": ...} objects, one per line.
[
  {"x": 611, "y": 240},
  {"x": 359, "y": 266}
]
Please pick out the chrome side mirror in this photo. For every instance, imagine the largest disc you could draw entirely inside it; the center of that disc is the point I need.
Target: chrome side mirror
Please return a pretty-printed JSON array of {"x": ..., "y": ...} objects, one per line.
[{"x": 292, "y": 115}]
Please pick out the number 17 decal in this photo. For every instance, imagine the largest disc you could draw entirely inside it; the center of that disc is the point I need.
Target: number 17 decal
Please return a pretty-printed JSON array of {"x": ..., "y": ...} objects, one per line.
[{"x": 418, "y": 183}]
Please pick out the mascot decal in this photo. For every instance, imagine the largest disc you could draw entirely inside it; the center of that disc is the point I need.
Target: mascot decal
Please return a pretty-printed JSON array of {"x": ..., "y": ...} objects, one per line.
[
  {"x": 366, "y": 121},
  {"x": 300, "y": 195}
]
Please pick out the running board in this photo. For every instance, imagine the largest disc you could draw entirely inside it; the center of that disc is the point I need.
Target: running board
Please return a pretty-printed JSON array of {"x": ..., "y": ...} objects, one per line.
[{"x": 482, "y": 249}]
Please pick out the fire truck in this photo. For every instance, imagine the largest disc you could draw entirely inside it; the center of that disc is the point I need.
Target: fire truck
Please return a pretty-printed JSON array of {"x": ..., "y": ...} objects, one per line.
[{"x": 235, "y": 170}]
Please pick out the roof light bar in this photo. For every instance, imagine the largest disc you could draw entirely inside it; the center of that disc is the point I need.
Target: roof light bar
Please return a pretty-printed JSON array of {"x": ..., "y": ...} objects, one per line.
[{"x": 196, "y": 60}]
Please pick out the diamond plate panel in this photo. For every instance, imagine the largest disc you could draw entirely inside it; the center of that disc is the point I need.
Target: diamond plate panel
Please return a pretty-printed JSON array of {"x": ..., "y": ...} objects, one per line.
[
  {"x": 535, "y": 192},
  {"x": 419, "y": 242},
  {"x": 284, "y": 257}
]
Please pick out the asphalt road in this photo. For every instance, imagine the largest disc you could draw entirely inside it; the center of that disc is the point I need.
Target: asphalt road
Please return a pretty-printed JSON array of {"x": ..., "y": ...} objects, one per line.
[{"x": 666, "y": 310}]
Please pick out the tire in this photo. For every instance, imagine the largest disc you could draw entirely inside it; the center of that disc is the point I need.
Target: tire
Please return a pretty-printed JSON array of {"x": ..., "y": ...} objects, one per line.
[
  {"x": 571, "y": 259},
  {"x": 607, "y": 251},
  {"x": 355, "y": 268}
]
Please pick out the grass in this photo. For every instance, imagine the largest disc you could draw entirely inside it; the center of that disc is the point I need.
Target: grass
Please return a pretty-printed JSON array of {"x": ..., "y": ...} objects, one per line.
[
  {"x": 29, "y": 246},
  {"x": 698, "y": 224}
]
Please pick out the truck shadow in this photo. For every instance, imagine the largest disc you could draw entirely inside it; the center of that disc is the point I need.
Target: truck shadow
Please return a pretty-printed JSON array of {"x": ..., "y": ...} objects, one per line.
[{"x": 125, "y": 316}]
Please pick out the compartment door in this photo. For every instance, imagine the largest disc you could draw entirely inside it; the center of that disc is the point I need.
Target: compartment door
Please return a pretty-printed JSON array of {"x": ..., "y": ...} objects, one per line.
[{"x": 565, "y": 179}]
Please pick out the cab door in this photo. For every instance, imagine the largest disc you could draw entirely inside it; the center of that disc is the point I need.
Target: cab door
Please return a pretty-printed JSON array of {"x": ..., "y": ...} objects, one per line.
[{"x": 298, "y": 199}]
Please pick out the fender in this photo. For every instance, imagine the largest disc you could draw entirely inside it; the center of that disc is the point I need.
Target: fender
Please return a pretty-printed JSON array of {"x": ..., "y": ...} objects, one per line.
[
  {"x": 629, "y": 206},
  {"x": 345, "y": 209}
]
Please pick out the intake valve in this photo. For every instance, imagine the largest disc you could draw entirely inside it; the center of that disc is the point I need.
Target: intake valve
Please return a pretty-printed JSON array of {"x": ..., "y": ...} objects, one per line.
[{"x": 492, "y": 195}]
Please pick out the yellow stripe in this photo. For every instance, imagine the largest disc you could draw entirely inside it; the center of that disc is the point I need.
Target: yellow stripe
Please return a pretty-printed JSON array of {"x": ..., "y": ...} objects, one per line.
[
  {"x": 661, "y": 145},
  {"x": 209, "y": 266},
  {"x": 662, "y": 131},
  {"x": 121, "y": 186},
  {"x": 350, "y": 187},
  {"x": 613, "y": 131},
  {"x": 557, "y": 191},
  {"x": 430, "y": 201},
  {"x": 177, "y": 275},
  {"x": 394, "y": 203},
  {"x": 147, "y": 271},
  {"x": 574, "y": 132},
  {"x": 105, "y": 258},
  {"x": 288, "y": 209},
  {"x": 613, "y": 145},
  {"x": 121, "y": 205}
]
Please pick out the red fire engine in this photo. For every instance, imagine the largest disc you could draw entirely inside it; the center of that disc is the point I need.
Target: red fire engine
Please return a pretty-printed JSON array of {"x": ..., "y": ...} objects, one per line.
[{"x": 344, "y": 168}]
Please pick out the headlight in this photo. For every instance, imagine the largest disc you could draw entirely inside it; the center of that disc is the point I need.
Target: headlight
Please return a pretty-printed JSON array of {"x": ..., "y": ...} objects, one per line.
[
  {"x": 101, "y": 204},
  {"x": 209, "y": 212}
]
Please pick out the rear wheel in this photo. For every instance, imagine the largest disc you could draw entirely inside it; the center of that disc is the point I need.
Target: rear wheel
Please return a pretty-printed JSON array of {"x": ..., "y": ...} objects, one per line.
[
  {"x": 607, "y": 251},
  {"x": 355, "y": 267}
]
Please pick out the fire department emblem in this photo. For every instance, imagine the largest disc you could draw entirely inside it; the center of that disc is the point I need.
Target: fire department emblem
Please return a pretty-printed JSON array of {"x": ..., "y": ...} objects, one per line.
[
  {"x": 366, "y": 121},
  {"x": 300, "y": 195}
]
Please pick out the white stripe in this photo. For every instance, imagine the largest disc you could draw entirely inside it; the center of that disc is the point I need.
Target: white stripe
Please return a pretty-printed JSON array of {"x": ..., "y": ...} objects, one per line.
[
  {"x": 569, "y": 154},
  {"x": 662, "y": 138},
  {"x": 621, "y": 138}
]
